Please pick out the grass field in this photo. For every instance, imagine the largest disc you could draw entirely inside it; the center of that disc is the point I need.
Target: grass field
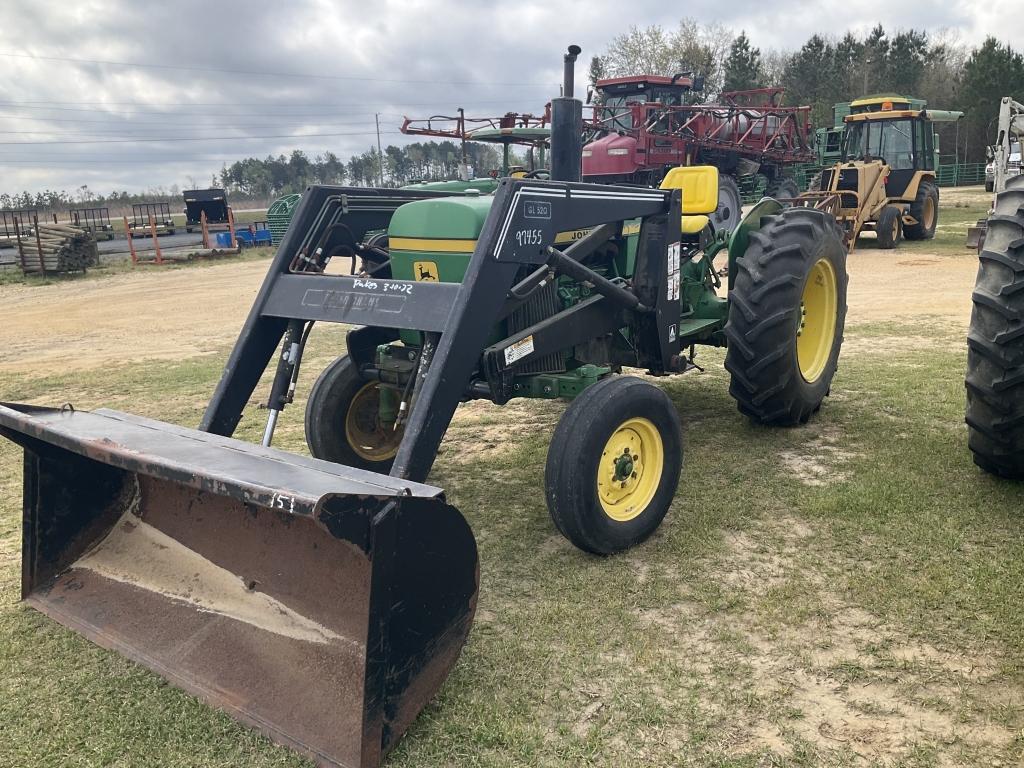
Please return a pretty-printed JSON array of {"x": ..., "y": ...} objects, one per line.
[{"x": 843, "y": 594}]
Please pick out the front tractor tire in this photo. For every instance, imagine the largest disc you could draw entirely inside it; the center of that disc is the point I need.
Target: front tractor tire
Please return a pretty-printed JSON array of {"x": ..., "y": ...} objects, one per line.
[
  {"x": 343, "y": 422},
  {"x": 995, "y": 342},
  {"x": 925, "y": 209},
  {"x": 889, "y": 227},
  {"x": 613, "y": 465},
  {"x": 787, "y": 312}
]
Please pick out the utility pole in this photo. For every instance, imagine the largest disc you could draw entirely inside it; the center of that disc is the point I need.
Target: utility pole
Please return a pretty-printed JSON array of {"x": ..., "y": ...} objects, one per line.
[
  {"x": 380, "y": 155},
  {"x": 462, "y": 135}
]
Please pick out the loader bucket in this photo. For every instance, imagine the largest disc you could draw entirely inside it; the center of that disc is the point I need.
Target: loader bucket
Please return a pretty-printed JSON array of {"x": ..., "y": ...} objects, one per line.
[
  {"x": 323, "y": 605},
  {"x": 976, "y": 235}
]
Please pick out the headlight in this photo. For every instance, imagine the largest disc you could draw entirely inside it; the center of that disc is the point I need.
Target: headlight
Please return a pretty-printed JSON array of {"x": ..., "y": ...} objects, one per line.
[
  {"x": 619, "y": 151},
  {"x": 587, "y": 152}
]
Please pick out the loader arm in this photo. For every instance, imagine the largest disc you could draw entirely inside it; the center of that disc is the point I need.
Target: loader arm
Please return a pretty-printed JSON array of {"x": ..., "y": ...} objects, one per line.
[
  {"x": 521, "y": 225},
  {"x": 329, "y": 218}
]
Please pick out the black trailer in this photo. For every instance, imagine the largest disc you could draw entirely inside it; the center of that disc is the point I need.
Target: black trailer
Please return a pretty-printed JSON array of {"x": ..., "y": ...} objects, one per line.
[
  {"x": 213, "y": 202},
  {"x": 14, "y": 221}
]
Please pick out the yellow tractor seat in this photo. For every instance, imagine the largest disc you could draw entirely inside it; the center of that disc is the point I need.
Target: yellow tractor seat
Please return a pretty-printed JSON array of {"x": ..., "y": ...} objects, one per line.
[
  {"x": 692, "y": 225},
  {"x": 699, "y": 185}
]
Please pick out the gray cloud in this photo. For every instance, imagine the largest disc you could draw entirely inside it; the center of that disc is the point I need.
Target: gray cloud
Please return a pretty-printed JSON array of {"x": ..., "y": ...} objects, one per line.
[{"x": 418, "y": 57}]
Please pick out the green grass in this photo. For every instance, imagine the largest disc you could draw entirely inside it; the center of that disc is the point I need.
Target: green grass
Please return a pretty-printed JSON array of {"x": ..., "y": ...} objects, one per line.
[{"x": 872, "y": 619}]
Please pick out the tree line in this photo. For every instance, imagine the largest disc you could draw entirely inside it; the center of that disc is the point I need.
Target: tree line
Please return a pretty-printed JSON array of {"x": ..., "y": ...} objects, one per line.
[
  {"x": 394, "y": 167},
  {"x": 827, "y": 70}
]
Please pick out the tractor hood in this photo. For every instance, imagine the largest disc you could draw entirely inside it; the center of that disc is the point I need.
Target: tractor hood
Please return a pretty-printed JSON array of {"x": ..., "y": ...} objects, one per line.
[{"x": 610, "y": 155}]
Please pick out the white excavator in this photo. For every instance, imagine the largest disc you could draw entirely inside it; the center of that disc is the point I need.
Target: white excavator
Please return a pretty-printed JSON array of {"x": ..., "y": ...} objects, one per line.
[{"x": 1004, "y": 161}]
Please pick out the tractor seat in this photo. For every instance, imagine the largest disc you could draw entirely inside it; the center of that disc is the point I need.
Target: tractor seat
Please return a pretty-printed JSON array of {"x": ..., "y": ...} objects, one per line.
[
  {"x": 694, "y": 225},
  {"x": 699, "y": 185}
]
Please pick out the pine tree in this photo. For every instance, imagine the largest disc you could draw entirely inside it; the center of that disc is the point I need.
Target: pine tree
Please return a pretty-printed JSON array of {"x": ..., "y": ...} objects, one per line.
[
  {"x": 743, "y": 69},
  {"x": 994, "y": 70}
]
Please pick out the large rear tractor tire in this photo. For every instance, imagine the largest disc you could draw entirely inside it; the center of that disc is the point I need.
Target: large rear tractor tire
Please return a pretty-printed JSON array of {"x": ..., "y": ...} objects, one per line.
[
  {"x": 787, "y": 312},
  {"x": 925, "y": 209},
  {"x": 343, "y": 420},
  {"x": 613, "y": 465},
  {"x": 730, "y": 205},
  {"x": 995, "y": 342}
]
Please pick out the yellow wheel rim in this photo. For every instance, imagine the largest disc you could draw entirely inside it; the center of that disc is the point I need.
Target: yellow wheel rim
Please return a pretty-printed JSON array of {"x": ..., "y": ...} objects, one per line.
[
  {"x": 366, "y": 434},
  {"x": 817, "y": 329},
  {"x": 632, "y": 462},
  {"x": 928, "y": 213}
]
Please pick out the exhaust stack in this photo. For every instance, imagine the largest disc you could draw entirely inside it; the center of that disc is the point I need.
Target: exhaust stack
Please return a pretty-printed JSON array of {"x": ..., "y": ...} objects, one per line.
[{"x": 567, "y": 125}]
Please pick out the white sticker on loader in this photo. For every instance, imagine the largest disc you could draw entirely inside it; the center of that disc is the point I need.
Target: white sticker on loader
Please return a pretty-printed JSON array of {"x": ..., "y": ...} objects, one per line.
[
  {"x": 672, "y": 272},
  {"x": 519, "y": 350},
  {"x": 673, "y": 257}
]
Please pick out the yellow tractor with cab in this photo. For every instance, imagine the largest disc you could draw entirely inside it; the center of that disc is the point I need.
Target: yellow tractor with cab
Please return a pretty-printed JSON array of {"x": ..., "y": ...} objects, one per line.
[{"x": 885, "y": 181}]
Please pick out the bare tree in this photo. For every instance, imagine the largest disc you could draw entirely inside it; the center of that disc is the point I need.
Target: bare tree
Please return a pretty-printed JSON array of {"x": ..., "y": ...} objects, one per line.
[{"x": 693, "y": 46}]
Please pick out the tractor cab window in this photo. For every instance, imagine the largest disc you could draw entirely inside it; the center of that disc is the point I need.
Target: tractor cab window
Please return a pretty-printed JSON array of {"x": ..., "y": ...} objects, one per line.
[
  {"x": 888, "y": 140},
  {"x": 614, "y": 107},
  {"x": 670, "y": 97},
  {"x": 616, "y": 114}
]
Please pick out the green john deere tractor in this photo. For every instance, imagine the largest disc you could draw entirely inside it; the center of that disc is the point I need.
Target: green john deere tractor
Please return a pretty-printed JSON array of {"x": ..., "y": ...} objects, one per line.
[{"x": 615, "y": 456}]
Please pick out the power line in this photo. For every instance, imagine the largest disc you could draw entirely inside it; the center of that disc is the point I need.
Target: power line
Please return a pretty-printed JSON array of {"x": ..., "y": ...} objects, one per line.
[
  {"x": 318, "y": 104},
  {"x": 127, "y": 123},
  {"x": 218, "y": 113},
  {"x": 198, "y": 138},
  {"x": 128, "y": 131},
  {"x": 303, "y": 75}
]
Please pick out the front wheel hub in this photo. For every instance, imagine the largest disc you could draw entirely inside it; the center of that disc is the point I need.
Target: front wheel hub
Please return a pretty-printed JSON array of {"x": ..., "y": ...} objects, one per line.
[{"x": 630, "y": 469}]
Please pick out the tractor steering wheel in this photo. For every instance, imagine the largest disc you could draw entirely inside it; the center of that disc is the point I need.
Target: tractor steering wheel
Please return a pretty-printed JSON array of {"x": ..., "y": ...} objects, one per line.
[{"x": 540, "y": 173}]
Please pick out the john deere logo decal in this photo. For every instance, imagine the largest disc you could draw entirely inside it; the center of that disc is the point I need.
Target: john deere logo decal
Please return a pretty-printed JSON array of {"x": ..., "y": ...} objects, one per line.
[{"x": 425, "y": 271}]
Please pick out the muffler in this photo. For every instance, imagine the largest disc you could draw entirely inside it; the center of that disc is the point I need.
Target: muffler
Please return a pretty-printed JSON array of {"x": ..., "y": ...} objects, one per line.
[{"x": 322, "y": 604}]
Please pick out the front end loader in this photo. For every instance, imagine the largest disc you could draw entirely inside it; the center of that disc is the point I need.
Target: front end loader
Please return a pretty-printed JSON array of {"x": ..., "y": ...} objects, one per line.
[
  {"x": 885, "y": 182},
  {"x": 324, "y": 600}
]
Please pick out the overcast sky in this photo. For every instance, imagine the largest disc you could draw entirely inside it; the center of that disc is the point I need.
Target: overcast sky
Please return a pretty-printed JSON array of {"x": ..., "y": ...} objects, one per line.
[{"x": 310, "y": 74}]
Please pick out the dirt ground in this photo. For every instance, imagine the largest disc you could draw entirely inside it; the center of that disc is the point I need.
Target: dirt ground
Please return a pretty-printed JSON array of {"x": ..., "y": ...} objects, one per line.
[
  {"x": 148, "y": 315},
  {"x": 163, "y": 315}
]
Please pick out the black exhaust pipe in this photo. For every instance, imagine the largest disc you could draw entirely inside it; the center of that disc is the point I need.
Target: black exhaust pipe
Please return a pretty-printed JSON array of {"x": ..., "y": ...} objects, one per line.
[
  {"x": 569, "y": 73},
  {"x": 567, "y": 125}
]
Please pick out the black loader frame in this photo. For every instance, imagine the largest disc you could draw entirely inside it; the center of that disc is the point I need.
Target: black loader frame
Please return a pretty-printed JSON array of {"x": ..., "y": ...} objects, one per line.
[{"x": 513, "y": 254}]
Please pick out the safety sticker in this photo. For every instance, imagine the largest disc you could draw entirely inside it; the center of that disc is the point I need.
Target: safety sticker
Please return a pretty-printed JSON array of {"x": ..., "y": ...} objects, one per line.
[
  {"x": 672, "y": 272},
  {"x": 519, "y": 350},
  {"x": 673, "y": 257}
]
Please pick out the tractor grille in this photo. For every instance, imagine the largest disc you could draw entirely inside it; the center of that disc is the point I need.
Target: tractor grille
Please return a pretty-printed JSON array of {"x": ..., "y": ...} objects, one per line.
[{"x": 542, "y": 305}]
